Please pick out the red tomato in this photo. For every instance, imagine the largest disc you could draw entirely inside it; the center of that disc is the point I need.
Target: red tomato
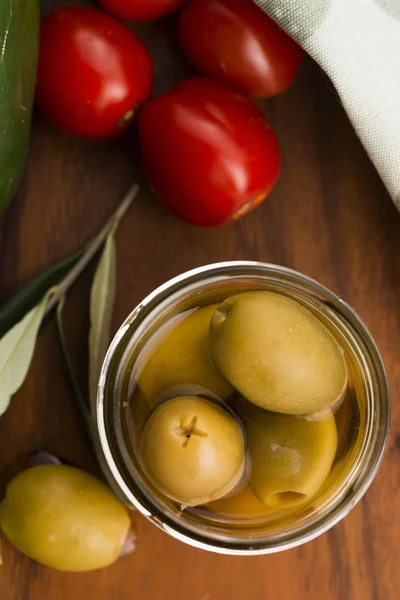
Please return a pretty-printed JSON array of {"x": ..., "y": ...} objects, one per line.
[
  {"x": 93, "y": 72},
  {"x": 208, "y": 153},
  {"x": 141, "y": 10},
  {"x": 236, "y": 42}
]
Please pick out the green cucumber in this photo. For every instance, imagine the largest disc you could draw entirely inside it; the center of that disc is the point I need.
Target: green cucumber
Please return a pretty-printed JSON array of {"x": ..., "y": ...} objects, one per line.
[{"x": 19, "y": 39}]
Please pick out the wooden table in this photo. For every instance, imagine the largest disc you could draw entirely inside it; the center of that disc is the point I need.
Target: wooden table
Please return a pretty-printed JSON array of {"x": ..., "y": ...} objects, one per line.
[{"x": 329, "y": 217}]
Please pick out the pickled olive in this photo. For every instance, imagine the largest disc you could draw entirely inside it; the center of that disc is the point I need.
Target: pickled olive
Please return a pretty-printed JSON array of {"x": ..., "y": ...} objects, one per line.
[
  {"x": 64, "y": 518},
  {"x": 277, "y": 354},
  {"x": 291, "y": 456},
  {"x": 193, "y": 450},
  {"x": 180, "y": 357},
  {"x": 243, "y": 505}
]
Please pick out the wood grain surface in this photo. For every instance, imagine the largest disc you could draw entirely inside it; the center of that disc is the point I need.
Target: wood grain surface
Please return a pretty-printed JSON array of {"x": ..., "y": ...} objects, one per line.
[{"x": 329, "y": 217}]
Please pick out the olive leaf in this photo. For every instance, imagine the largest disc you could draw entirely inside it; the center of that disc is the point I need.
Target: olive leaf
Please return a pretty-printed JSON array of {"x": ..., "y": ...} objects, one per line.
[
  {"x": 102, "y": 300},
  {"x": 64, "y": 272},
  {"x": 18, "y": 344},
  {"x": 16, "y": 351},
  {"x": 28, "y": 297}
]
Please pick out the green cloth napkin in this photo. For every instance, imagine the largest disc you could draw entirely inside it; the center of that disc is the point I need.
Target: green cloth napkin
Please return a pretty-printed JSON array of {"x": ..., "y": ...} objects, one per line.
[{"x": 357, "y": 43}]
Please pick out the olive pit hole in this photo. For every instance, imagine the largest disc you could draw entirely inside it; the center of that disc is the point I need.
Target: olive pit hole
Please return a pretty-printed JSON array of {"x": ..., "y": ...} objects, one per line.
[
  {"x": 186, "y": 431},
  {"x": 282, "y": 499}
]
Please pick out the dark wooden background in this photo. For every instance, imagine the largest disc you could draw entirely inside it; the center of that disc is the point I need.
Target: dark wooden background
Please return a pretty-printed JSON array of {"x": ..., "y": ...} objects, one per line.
[{"x": 329, "y": 217}]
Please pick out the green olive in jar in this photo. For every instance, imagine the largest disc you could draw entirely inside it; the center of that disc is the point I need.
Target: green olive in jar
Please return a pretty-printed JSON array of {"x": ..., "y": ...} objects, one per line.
[
  {"x": 193, "y": 450},
  {"x": 64, "y": 518},
  {"x": 277, "y": 354},
  {"x": 180, "y": 357},
  {"x": 291, "y": 456}
]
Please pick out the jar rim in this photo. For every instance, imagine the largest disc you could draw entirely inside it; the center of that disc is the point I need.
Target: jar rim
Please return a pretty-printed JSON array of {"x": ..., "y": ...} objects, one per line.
[{"x": 187, "y": 283}]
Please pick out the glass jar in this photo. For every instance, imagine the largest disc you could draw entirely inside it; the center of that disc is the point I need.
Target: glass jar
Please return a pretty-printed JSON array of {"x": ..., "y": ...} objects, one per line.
[{"x": 349, "y": 479}]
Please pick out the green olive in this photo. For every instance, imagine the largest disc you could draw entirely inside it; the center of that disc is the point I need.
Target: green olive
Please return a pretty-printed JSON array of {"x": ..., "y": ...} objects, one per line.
[
  {"x": 277, "y": 354},
  {"x": 193, "y": 450},
  {"x": 291, "y": 456},
  {"x": 181, "y": 357},
  {"x": 64, "y": 518}
]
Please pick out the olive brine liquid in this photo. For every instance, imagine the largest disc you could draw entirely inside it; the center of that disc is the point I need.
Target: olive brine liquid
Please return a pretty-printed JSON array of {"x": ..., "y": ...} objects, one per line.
[{"x": 205, "y": 448}]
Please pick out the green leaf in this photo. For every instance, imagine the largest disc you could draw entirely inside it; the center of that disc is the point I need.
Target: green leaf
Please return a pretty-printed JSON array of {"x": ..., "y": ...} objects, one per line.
[
  {"x": 102, "y": 301},
  {"x": 18, "y": 344},
  {"x": 64, "y": 273},
  {"x": 16, "y": 351},
  {"x": 29, "y": 296}
]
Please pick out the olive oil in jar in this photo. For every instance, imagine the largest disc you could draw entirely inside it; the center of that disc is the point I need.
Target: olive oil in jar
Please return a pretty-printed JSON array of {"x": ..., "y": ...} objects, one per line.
[{"x": 308, "y": 455}]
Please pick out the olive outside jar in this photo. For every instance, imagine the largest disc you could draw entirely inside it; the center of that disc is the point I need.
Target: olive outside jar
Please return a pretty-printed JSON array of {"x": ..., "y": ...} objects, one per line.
[{"x": 349, "y": 479}]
